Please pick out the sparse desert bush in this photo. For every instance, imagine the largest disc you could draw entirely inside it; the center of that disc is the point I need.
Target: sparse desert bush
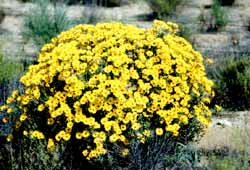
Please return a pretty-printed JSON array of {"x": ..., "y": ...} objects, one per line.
[
  {"x": 29, "y": 153},
  {"x": 102, "y": 87},
  {"x": 237, "y": 156},
  {"x": 43, "y": 23},
  {"x": 219, "y": 14},
  {"x": 215, "y": 20},
  {"x": 163, "y": 8},
  {"x": 10, "y": 70},
  {"x": 232, "y": 82}
]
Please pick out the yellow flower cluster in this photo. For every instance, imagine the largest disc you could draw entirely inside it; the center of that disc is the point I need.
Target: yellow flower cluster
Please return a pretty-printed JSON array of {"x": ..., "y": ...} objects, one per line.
[{"x": 112, "y": 82}]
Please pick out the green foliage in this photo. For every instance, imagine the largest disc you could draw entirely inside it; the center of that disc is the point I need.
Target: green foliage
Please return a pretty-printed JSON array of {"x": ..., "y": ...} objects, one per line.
[
  {"x": 232, "y": 82},
  {"x": 184, "y": 157},
  {"x": 217, "y": 18},
  {"x": 90, "y": 16},
  {"x": 163, "y": 8},
  {"x": 156, "y": 152},
  {"x": 233, "y": 161},
  {"x": 9, "y": 70},
  {"x": 42, "y": 23},
  {"x": 185, "y": 32},
  {"x": 26, "y": 153},
  {"x": 149, "y": 155},
  {"x": 219, "y": 14}
]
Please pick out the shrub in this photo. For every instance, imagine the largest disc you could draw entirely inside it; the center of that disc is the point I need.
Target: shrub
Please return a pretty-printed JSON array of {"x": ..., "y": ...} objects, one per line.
[
  {"x": 232, "y": 82},
  {"x": 163, "y": 8},
  {"x": 110, "y": 84},
  {"x": 29, "y": 153},
  {"x": 184, "y": 157},
  {"x": 185, "y": 32},
  {"x": 219, "y": 15},
  {"x": 43, "y": 23},
  {"x": 9, "y": 70},
  {"x": 230, "y": 162},
  {"x": 215, "y": 20}
]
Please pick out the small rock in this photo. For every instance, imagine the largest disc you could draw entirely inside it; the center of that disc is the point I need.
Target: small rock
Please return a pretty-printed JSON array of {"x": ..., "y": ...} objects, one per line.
[
  {"x": 216, "y": 40},
  {"x": 222, "y": 123},
  {"x": 12, "y": 24},
  {"x": 75, "y": 12},
  {"x": 242, "y": 2},
  {"x": 31, "y": 49},
  {"x": 15, "y": 8}
]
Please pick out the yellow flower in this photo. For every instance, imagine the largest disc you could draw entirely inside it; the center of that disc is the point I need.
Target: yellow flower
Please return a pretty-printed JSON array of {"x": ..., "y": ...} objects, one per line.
[
  {"x": 136, "y": 126},
  {"x": 51, "y": 144},
  {"x": 125, "y": 152},
  {"x": 10, "y": 110},
  {"x": 159, "y": 131},
  {"x": 209, "y": 61},
  {"x": 66, "y": 136},
  {"x": 79, "y": 135},
  {"x": 40, "y": 107},
  {"x": 184, "y": 119},
  {"x": 50, "y": 121},
  {"x": 149, "y": 53},
  {"x": 37, "y": 134},
  {"x": 218, "y": 108},
  {"x": 9, "y": 100},
  {"x": 18, "y": 124},
  {"x": 25, "y": 133},
  {"x": 3, "y": 108},
  {"x": 85, "y": 153},
  {"x": 5, "y": 119},
  {"x": 85, "y": 134},
  {"x": 23, "y": 117},
  {"x": 9, "y": 138},
  {"x": 147, "y": 133}
]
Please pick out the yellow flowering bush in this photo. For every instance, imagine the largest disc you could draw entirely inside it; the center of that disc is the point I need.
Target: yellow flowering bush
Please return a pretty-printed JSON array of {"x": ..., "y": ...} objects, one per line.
[{"x": 110, "y": 83}]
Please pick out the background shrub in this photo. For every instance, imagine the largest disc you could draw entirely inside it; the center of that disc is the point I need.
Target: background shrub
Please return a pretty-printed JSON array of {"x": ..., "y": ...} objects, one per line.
[
  {"x": 10, "y": 70},
  {"x": 184, "y": 157},
  {"x": 185, "y": 31},
  {"x": 29, "y": 153},
  {"x": 232, "y": 82},
  {"x": 44, "y": 23},
  {"x": 215, "y": 20},
  {"x": 164, "y": 8},
  {"x": 219, "y": 15}
]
